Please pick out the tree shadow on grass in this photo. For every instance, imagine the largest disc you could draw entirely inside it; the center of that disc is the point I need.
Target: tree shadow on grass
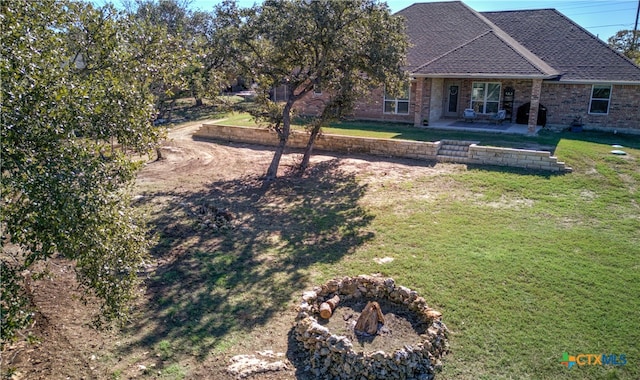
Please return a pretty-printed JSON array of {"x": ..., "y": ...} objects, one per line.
[
  {"x": 515, "y": 170},
  {"x": 211, "y": 283}
]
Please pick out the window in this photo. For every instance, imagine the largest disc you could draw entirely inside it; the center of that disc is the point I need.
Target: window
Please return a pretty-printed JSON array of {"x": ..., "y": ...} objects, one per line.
[
  {"x": 600, "y": 99},
  {"x": 485, "y": 97},
  {"x": 397, "y": 105}
]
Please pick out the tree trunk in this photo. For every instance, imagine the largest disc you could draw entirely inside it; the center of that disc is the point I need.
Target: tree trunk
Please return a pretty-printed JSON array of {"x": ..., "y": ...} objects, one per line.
[
  {"x": 307, "y": 152},
  {"x": 272, "y": 172},
  {"x": 171, "y": 106}
]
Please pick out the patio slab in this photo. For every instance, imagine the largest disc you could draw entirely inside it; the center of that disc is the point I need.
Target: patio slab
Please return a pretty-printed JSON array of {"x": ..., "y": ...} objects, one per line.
[{"x": 482, "y": 126}]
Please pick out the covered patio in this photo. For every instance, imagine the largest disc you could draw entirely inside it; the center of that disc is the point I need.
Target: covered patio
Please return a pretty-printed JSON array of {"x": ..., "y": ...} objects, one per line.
[{"x": 482, "y": 126}]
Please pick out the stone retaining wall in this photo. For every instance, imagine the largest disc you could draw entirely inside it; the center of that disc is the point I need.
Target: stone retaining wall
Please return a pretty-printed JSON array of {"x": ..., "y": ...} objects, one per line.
[
  {"x": 328, "y": 142},
  {"x": 519, "y": 158},
  {"x": 482, "y": 155}
]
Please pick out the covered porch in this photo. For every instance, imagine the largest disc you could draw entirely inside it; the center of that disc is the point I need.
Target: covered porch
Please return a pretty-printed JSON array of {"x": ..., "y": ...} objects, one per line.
[
  {"x": 482, "y": 126},
  {"x": 441, "y": 101}
]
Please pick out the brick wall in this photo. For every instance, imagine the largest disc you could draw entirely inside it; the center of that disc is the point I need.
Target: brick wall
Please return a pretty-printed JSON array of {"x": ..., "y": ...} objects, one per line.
[
  {"x": 564, "y": 102},
  {"x": 428, "y": 151},
  {"x": 371, "y": 107}
]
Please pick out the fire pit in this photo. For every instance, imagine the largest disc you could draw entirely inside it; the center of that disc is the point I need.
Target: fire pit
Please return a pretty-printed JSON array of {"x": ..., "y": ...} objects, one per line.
[{"x": 345, "y": 324}]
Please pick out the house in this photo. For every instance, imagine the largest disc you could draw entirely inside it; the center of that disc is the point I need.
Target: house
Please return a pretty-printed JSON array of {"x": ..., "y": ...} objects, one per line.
[{"x": 537, "y": 65}]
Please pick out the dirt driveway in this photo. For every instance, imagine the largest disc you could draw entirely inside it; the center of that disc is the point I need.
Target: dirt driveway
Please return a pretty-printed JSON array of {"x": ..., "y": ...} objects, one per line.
[{"x": 253, "y": 295}]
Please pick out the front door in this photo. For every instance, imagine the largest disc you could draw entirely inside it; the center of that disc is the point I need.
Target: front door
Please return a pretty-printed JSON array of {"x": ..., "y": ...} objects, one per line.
[{"x": 451, "y": 100}]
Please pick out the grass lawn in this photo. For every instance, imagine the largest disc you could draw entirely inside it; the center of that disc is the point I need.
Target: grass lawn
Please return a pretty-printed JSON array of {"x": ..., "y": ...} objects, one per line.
[
  {"x": 524, "y": 266},
  {"x": 546, "y": 139}
]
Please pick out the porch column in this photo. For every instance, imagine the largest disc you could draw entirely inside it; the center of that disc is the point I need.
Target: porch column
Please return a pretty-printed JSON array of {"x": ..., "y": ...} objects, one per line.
[
  {"x": 417, "y": 112},
  {"x": 536, "y": 89}
]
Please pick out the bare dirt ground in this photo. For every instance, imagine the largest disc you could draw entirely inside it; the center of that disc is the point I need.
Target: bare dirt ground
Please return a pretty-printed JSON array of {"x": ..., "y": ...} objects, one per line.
[{"x": 211, "y": 295}]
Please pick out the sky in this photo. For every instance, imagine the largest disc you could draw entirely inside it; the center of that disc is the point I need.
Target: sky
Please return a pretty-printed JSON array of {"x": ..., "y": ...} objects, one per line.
[{"x": 601, "y": 18}]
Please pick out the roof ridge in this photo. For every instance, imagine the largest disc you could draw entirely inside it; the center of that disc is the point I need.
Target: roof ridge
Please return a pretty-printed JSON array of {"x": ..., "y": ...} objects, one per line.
[
  {"x": 419, "y": 3},
  {"x": 520, "y": 10},
  {"x": 525, "y": 53},
  {"x": 452, "y": 50},
  {"x": 545, "y": 69},
  {"x": 541, "y": 74}
]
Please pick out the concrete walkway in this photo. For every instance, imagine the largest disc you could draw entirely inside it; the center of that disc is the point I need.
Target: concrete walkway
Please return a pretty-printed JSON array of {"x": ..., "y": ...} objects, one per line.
[{"x": 481, "y": 126}]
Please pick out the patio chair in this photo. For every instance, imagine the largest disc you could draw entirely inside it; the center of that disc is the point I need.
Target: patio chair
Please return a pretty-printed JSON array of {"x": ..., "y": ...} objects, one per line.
[
  {"x": 469, "y": 115},
  {"x": 499, "y": 117}
]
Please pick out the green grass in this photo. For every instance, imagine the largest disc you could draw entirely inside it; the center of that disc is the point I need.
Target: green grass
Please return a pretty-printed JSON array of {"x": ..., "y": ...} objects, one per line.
[
  {"x": 524, "y": 267},
  {"x": 239, "y": 119},
  {"x": 548, "y": 140},
  {"x": 173, "y": 372},
  {"x": 164, "y": 350}
]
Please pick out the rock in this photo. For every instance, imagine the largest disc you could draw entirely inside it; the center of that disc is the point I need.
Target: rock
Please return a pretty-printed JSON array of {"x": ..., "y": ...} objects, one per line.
[
  {"x": 433, "y": 314},
  {"x": 389, "y": 283},
  {"x": 332, "y": 286},
  {"x": 270, "y": 354},
  {"x": 404, "y": 292},
  {"x": 243, "y": 366}
]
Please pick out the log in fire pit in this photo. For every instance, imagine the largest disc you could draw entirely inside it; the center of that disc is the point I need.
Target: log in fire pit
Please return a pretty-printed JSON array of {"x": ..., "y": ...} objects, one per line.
[{"x": 367, "y": 326}]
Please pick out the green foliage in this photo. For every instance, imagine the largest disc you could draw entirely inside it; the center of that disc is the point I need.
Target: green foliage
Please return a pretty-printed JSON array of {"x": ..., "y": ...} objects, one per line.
[
  {"x": 72, "y": 88},
  {"x": 344, "y": 47},
  {"x": 14, "y": 303},
  {"x": 187, "y": 51},
  {"x": 268, "y": 112},
  {"x": 627, "y": 42},
  {"x": 163, "y": 47}
]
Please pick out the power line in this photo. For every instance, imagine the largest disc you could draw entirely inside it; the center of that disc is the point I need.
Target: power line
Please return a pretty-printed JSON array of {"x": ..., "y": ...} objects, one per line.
[
  {"x": 594, "y": 4},
  {"x": 604, "y": 11},
  {"x": 606, "y": 26}
]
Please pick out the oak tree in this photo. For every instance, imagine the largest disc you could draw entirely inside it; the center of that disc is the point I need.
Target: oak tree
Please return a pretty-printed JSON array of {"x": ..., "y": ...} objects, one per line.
[
  {"x": 627, "y": 42},
  {"x": 74, "y": 84},
  {"x": 341, "y": 47}
]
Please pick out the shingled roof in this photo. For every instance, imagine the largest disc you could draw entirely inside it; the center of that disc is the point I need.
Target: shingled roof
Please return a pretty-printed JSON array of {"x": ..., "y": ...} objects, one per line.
[
  {"x": 450, "y": 39},
  {"x": 576, "y": 53}
]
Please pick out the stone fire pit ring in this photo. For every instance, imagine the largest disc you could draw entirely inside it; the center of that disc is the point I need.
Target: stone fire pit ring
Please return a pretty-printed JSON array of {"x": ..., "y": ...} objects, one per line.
[{"x": 333, "y": 357}]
